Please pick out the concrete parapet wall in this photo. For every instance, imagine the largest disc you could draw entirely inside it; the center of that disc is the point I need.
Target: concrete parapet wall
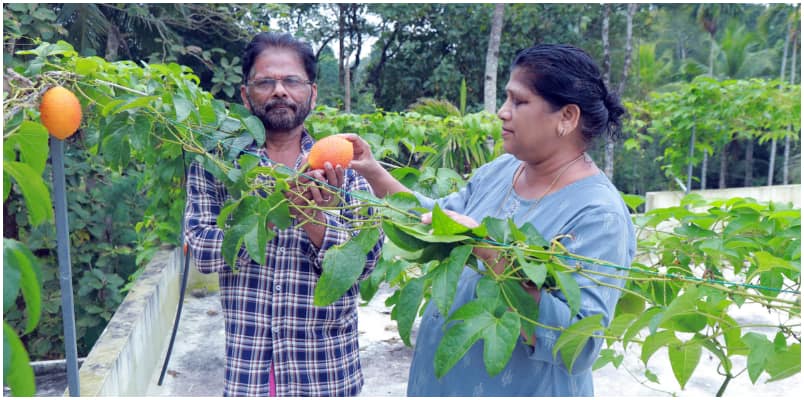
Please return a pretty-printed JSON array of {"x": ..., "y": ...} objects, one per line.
[
  {"x": 776, "y": 193},
  {"x": 122, "y": 361}
]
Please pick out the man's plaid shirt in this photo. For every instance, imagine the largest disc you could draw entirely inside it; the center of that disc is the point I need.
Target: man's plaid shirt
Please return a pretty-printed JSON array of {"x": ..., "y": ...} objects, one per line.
[{"x": 268, "y": 309}]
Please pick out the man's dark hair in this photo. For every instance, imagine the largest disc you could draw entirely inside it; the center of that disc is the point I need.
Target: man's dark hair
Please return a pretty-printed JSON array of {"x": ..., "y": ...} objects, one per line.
[
  {"x": 564, "y": 74},
  {"x": 266, "y": 40}
]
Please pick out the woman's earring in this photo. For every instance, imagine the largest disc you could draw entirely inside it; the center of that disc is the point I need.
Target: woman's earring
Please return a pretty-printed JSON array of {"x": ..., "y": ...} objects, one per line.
[{"x": 562, "y": 132}]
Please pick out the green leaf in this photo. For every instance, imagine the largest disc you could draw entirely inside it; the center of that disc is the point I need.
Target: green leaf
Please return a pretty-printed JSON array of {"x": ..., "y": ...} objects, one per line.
[
  {"x": 279, "y": 213},
  {"x": 443, "y": 224},
  {"x": 136, "y": 102},
  {"x": 656, "y": 341},
  {"x": 620, "y": 323},
  {"x": 684, "y": 358},
  {"x": 182, "y": 106},
  {"x": 445, "y": 277},
  {"x": 522, "y": 303},
  {"x": 533, "y": 236},
  {"x": 632, "y": 201},
  {"x": 569, "y": 287},
  {"x": 116, "y": 149},
  {"x": 642, "y": 321},
  {"x": 34, "y": 191},
  {"x": 31, "y": 140},
  {"x": 17, "y": 371},
  {"x": 682, "y": 306},
  {"x": 476, "y": 317},
  {"x": 407, "y": 307},
  {"x": 535, "y": 272},
  {"x": 256, "y": 240},
  {"x": 11, "y": 281},
  {"x": 608, "y": 356},
  {"x": 255, "y": 128},
  {"x": 422, "y": 232},
  {"x": 233, "y": 239},
  {"x": 367, "y": 238},
  {"x": 341, "y": 267},
  {"x": 497, "y": 229},
  {"x": 574, "y": 338},
  {"x": 784, "y": 363},
  {"x": 499, "y": 340},
  {"x": 400, "y": 238},
  {"x": 760, "y": 350},
  {"x": 17, "y": 257}
]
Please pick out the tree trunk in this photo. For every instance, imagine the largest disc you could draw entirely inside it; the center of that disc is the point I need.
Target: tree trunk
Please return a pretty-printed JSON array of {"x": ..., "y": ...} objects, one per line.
[
  {"x": 703, "y": 169},
  {"x": 629, "y": 35},
  {"x": 113, "y": 40},
  {"x": 492, "y": 59},
  {"x": 347, "y": 90},
  {"x": 786, "y": 165},
  {"x": 609, "y": 156},
  {"x": 341, "y": 34},
  {"x": 772, "y": 161},
  {"x": 749, "y": 163},
  {"x": 705, "y": 159}
]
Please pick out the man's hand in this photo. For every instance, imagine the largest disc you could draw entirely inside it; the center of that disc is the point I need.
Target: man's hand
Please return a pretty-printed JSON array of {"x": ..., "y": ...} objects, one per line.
[{"x": 327, "y": 195}]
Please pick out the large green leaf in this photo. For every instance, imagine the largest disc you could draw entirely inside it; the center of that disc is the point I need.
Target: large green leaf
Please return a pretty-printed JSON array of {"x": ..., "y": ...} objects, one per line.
[
  {"x": 569, "y": 287},
  {"x": 522, "y": 303},
  {"x": 341, "y": 267},
  {"x": 24, "y": 270},
  {"x": 17, "y": 371},
  {"x": 684, "y": 358},
  {"x": 681, "y": 314},
  {"x": 30, "y": 142},
  {"x": 182, "y": 106},
  {"x": 445, "y": 277},
  {"x": 784, "y": 363},
  {"x": 499, "y": 340},
  {"x": 34, "y": 191},
  {"x": 642, "y": 322},
  {"x": 618, "y": 326},
  {"x": 234, "y": 237},
  {"x": 574, "y": 338},
  {"x": 476, "y": 321},
  {"x": 443, "y": 224},
  {"x": 760, "y": 350},
  {"x": 407, "y": 307},
  {"x": 400, "y": 238},
  {"x": 656, "y": 341}
]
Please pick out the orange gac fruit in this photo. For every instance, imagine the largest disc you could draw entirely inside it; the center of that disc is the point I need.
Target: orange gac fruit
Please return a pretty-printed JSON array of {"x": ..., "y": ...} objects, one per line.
[
  {"x": 60, "y": 112},
  {"x": 335, "y": 149}
]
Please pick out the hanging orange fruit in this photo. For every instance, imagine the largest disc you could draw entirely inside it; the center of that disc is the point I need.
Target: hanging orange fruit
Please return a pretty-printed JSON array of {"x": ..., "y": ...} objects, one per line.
[{"x": 60, "y": 112}]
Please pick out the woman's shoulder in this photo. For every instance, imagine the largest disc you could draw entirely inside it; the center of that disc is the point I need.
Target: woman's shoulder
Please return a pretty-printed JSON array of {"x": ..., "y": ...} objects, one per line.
[
  {"x": 496, "y": 167},
  {"x": 595, "y": 194}
]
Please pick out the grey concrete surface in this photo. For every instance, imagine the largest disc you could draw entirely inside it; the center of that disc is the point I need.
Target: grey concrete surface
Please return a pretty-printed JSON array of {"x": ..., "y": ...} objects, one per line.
[{"x": 196, "y": 364}]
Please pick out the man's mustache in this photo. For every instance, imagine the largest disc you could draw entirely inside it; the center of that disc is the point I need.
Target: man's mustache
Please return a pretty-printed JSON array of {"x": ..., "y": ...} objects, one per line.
[{"x": 279, "y": 103}]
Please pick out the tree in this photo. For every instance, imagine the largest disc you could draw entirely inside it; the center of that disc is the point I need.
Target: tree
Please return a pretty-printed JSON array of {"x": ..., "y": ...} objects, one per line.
[
  {"x": 492, "y": 58},
  {"x": 609, "y": 155},
  {"x": 629, "y": 36}
]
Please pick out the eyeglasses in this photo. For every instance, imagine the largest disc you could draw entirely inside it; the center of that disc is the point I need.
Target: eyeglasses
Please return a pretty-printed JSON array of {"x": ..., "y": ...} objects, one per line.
[{"x": 268, "y": 85}]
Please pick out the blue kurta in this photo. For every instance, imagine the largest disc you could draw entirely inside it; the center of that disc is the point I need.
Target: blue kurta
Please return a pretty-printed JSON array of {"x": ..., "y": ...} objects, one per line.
[{"x": 592, "y": 211}]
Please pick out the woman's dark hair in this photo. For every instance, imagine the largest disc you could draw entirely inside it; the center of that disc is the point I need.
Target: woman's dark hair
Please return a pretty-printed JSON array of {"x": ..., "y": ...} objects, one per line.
[
  {"x": 564, "y": 74},
  {"x": 266, "y": 40}
]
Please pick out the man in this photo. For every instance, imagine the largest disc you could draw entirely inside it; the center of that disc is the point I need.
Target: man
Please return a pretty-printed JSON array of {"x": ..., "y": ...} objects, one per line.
[{"x": 277, "y": 341}]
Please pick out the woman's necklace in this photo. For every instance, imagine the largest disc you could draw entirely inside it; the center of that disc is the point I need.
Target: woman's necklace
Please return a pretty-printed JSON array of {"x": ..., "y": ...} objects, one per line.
[{"x": 539, "y": 199}]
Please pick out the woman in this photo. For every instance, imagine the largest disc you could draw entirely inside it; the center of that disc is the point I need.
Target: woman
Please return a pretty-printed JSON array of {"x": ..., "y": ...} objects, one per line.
[{"x": 556, "y": 103}]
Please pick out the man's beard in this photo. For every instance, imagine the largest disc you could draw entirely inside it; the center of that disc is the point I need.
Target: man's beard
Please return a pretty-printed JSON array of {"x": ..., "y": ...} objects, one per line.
[{"x": 281, "y": 115}]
